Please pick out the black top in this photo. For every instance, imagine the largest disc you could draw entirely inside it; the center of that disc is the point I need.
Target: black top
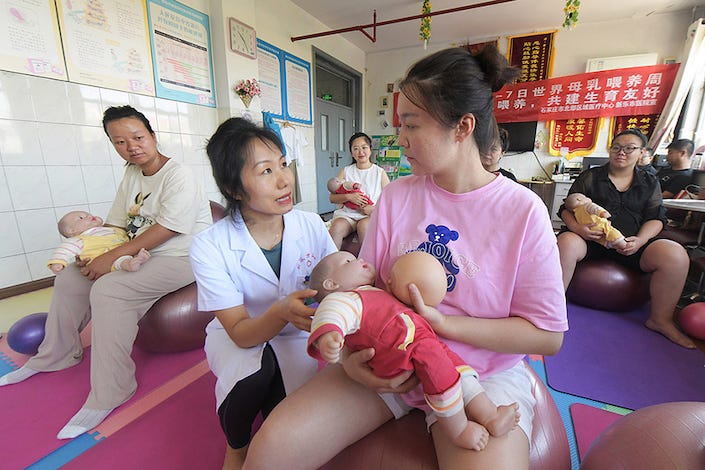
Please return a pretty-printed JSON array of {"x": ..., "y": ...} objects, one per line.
[
  {"x": 508, "y": 174},
  {"x": 648, "y": 168},
  {"x": 674, "y": 181},
  {"x": 630, "y": 209}
]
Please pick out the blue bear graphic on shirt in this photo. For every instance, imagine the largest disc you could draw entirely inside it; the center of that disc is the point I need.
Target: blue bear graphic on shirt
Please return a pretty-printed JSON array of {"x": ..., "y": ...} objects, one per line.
[{"x": 437, "y": 245}]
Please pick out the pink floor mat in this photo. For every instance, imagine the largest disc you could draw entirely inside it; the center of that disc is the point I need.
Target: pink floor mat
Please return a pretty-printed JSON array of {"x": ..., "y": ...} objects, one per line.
[
  {"x": 35, "y": 410},
  {"x": 588, "y": 423},
  {"x": 182, "y": 432}
]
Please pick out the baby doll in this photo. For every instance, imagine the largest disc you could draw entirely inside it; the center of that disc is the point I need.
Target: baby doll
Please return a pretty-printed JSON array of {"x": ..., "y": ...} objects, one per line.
[
  {"x": 353, "y": 312},
  {"x": 341, "y": 186},
  {"x": 88, "y": 238},
  {"x": 587, "y": 212}
]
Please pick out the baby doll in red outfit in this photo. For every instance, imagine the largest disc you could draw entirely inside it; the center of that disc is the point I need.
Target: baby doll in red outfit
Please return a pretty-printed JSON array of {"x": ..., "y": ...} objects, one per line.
[
  {"x": 340, "y": 186},
  {"x": 355, "y": 313}
]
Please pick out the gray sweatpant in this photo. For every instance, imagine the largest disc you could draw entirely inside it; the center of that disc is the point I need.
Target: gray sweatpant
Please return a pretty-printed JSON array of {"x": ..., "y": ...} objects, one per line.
[{"x": 115, "y": 302}]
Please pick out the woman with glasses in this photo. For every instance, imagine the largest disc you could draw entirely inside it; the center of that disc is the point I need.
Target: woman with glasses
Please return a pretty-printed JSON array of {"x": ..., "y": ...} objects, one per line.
[
  {"x": 633, "y": 198},
  {"x": 372, "y": 179}
]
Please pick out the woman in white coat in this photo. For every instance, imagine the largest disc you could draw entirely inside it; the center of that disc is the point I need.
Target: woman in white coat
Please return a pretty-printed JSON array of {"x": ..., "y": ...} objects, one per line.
[{"x": 252, "y": 268}]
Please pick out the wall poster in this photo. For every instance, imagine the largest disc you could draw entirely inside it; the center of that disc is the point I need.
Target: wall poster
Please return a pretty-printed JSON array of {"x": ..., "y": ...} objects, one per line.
[
  {"x": 183, "y": 66},
  {"x": 285, "y": 81},
  {"x": 106, "y": 44},
  {"x": 29, "y": 38},
  {"x": 271, "y": 76}
]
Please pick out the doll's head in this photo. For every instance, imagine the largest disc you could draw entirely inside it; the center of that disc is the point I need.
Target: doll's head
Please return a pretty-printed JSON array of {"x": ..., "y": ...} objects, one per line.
[
  {"x": 76, "y": 222},
  {"x": 421, "y": 269},
  {"x": 334, "y": 183},
  {"x": 340, "y": 271},
  {"x": 575, "y": 200}
]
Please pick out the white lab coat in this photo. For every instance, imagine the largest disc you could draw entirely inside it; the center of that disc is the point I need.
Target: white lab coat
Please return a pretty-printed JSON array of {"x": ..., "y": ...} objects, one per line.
[{"x": 231, "y": 270}]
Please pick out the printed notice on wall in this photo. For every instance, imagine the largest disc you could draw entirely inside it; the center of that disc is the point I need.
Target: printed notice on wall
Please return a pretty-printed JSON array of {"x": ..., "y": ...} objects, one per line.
[
  {"x": 106, "y": 44},
  {"x": 183, "y": 67},
  {"x": 29, "y": 38},
  {"x": 285, "y": 81},
  {"x": 298, "y": 89},
  {"x": 270, "y": 78}
]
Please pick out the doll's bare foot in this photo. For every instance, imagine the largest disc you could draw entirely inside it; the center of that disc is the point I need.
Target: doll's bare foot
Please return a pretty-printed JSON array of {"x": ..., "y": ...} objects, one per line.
[
  {"x": 138, "y": 260},
  {"x": 619, "y": 244},
  {"x": 474, "y": 437},
  {"x": 507, "y": 418},
  {"x": 670, "y": 331}
]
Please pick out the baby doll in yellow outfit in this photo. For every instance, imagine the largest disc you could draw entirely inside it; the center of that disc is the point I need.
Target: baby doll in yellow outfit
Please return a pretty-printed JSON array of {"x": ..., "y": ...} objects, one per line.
[
  {"x": 87, "y": 238},
  {"x": 587, "y": 212}
]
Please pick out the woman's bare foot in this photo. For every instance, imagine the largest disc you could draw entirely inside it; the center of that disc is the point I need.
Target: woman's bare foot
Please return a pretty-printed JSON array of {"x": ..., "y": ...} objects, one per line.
[
  {"x": 670, "y": 331},
  {"x": 507, "y": 418}
]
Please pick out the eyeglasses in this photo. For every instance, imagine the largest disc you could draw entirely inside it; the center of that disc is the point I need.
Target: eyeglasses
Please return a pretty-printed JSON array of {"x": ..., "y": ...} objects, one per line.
[{"x": 627, "y": 149}]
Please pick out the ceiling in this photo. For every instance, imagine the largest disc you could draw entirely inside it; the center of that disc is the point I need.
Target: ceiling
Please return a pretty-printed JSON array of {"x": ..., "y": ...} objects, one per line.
[{"x": 473, "y": 25}]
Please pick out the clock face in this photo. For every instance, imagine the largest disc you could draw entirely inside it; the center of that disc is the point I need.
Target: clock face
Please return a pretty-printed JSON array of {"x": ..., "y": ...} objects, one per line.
[{"x": 243, "y": 39}]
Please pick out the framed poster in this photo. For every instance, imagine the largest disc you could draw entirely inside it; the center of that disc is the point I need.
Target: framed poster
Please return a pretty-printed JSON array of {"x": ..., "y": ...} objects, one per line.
[
  {"x": 106, "y": 44},
  {"x": 285, "y": 81},
  {"x": 29, "y": 39},
  {"x": 183, "y": 67}
]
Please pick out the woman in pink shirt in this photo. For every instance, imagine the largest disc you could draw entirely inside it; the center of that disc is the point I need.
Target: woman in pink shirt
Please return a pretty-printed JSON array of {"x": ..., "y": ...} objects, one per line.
[{"x": 504, "y": 294}]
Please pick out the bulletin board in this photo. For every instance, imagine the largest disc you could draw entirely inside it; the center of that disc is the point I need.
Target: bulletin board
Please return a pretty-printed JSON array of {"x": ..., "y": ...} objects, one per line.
[
  {"x": 183, "y": 67},
  {"x": 285, "y": 81}
]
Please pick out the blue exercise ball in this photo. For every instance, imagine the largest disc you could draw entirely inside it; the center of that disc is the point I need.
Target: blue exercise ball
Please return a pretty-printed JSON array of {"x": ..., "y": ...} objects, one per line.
[{"x": 27, "y": 333}]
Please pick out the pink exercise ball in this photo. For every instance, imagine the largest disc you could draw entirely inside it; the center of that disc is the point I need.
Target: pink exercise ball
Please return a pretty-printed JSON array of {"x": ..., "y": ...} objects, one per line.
[
  {"x": 27, "y": 333},
  {"x": 692, "y": 320}
]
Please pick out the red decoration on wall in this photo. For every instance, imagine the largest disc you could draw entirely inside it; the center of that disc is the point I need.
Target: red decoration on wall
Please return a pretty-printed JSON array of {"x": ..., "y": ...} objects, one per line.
[
  {"x": 645, "y": 123},
  {"x": 579, "y": 136},
  {"x": 620, "y": 92},
  {"x": 533, "y": 54}
]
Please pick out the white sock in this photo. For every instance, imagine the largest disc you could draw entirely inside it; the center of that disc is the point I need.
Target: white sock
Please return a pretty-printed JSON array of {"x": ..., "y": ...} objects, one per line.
[
  {"x": 83, "y": 421},
  {"x": 16, "y": 376}
]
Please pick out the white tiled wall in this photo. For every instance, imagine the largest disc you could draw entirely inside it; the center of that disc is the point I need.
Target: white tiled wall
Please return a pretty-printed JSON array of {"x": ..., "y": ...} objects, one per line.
[{"x": 55, "y": 157}]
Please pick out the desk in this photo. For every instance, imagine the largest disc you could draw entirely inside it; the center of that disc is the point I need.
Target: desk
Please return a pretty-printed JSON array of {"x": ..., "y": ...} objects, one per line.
[
  {"x": 696, "y": 205},
  {"x": 693, "y": 205}
]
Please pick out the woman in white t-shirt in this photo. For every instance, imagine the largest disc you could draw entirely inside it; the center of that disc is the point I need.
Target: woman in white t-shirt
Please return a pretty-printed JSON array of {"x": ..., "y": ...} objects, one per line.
[
  {"x": 372, "y": 179},
  {"x": 161, "y": 206}
]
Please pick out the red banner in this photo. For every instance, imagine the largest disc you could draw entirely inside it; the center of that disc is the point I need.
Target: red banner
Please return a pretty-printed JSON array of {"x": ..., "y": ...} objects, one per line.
[
  {"x": 619, "y": 92},
  {"x": 533, "y": 54},
  {"x": 579, "y": 136}
]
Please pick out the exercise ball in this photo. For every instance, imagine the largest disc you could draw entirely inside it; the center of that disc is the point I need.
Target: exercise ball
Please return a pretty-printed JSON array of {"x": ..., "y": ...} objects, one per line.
[
  {"x": 607, "y": 285},
  {"x": 27, "y": 333},
  {"x": 668, "y": 435},
  {"x": 174, "y": 323},
  {"x": 692, "y": 320}
]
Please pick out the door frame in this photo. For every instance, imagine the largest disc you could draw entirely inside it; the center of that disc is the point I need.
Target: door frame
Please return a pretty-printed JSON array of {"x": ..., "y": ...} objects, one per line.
[{"x": 324, "y": 60}]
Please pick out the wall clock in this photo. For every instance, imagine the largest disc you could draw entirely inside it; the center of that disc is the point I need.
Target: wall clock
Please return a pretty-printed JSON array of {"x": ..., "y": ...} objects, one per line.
[{"x": 243, "y": 39}]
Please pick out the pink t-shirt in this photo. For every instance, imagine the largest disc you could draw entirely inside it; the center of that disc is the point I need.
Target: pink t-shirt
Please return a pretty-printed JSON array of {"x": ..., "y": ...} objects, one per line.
[{"x": 496, "y": 244}]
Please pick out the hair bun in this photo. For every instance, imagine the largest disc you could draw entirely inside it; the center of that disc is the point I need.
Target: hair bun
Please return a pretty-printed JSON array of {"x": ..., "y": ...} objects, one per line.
[{"x": 497, "y": 70}]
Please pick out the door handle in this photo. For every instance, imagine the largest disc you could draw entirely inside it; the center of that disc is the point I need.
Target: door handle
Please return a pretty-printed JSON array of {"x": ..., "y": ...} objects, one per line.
[
  {"x": 337, "y": 159},
  {"x": 331, "y": 158}
]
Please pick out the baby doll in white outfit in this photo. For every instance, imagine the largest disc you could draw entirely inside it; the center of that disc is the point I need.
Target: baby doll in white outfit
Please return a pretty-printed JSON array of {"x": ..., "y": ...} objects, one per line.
[{"x": 87, "y": 238}]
